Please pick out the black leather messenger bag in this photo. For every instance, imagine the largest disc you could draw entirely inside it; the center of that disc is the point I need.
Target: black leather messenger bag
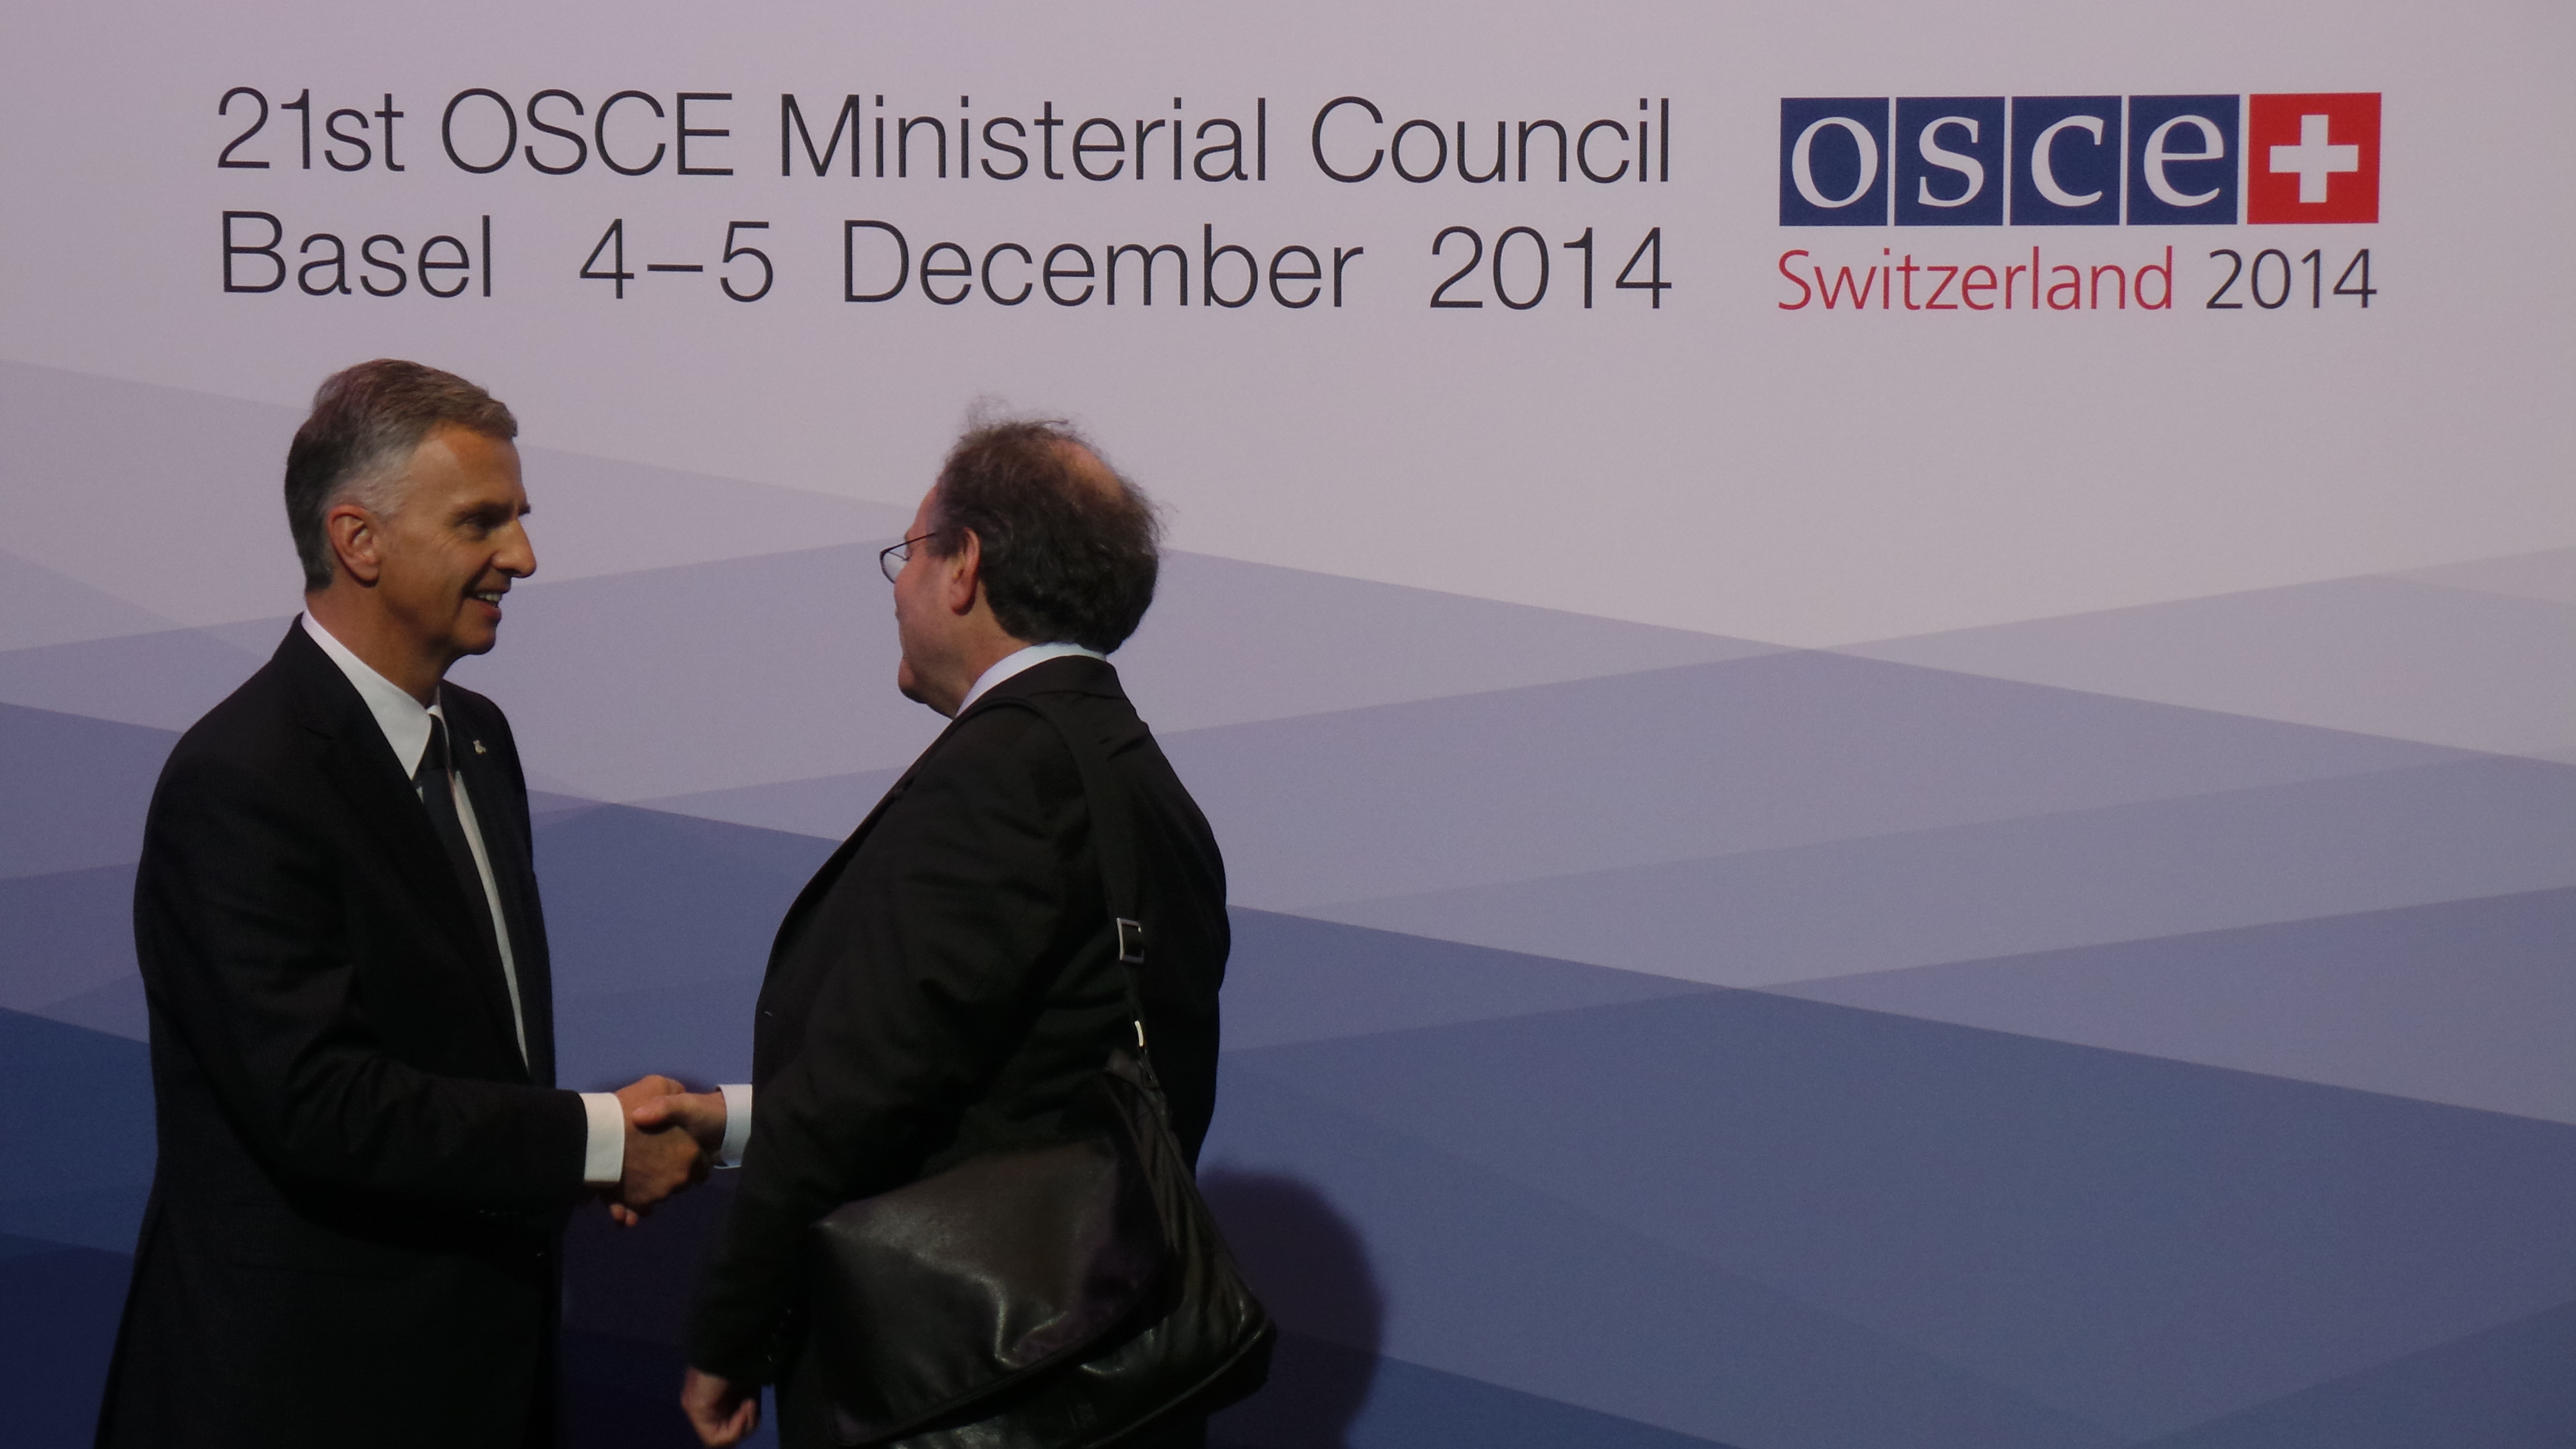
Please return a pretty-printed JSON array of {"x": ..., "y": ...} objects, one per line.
[{"x": 1054, "y": 1297}]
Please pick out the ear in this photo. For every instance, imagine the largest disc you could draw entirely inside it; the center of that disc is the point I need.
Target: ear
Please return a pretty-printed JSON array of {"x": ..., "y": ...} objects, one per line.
[
  {"x": 357, "y": 542},
  {"x": 963, "y": 577}
]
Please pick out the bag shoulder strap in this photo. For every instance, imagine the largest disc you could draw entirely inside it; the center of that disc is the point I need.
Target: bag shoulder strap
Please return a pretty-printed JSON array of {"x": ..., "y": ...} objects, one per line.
[{"x": 1113, "y": 839}]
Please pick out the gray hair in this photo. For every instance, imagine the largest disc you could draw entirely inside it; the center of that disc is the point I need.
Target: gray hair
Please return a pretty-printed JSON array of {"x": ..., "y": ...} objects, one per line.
[{"x": 365, "y": 423}]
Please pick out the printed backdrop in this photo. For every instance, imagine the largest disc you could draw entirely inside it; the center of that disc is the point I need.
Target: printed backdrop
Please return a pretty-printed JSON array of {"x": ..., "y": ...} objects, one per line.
[{"x": 1888, "y": 686}]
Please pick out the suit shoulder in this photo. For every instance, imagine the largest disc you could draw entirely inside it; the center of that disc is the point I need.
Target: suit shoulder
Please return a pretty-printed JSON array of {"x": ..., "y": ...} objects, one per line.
[
  {"x": 251, "y": 751},
  {"x": 255, "y": 725}
]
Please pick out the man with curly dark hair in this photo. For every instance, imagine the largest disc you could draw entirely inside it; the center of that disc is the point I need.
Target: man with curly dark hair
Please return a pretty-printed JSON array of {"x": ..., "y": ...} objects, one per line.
[{"x": 947, "y": 984}]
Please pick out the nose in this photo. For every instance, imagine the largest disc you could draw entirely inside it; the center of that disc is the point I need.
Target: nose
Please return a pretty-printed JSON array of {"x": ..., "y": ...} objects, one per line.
[{"x": 518, "y": 557}]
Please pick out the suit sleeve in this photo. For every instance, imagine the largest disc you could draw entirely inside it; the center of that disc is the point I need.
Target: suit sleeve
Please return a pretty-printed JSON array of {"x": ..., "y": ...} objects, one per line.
[
  {"x": 236, "y": 909},
  {"x": 928, "y": 989}
]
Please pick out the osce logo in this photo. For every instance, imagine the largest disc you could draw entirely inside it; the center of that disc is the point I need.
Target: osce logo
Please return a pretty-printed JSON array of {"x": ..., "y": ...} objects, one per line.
[{"x": 2079, "y": 160}]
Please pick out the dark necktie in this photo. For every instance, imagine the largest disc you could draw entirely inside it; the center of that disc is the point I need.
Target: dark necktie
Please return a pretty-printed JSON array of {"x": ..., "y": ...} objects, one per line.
[{"x": 438, "y": 792}]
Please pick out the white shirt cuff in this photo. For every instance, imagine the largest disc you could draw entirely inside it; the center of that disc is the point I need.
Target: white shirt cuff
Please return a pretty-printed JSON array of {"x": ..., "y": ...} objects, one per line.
[
  {"x": 737, "y": 1099},
  {"x": 603, "y": 1163}
]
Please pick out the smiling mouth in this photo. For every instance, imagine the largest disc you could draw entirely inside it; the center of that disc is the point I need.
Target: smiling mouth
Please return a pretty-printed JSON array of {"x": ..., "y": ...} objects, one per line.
[{"x": 489, "y": 596}]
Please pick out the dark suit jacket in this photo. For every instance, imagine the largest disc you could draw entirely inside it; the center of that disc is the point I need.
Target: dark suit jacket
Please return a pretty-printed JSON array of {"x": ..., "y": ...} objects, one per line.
[
  {"x": 947, "y": 983},
  {"x": 350, "y": 1234}
]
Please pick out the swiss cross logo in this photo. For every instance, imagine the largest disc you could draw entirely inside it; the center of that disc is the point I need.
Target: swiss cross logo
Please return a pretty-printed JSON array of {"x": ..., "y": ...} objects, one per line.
[{"x": 2312, "y": 158}]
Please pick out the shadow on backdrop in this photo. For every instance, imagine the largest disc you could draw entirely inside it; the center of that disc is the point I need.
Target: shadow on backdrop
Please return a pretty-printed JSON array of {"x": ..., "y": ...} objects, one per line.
[{"x": 1306, "y": 1261}]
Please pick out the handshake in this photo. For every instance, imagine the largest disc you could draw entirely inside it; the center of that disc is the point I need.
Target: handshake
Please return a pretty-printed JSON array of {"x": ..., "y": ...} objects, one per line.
[{"x": 672, "y": 1137}]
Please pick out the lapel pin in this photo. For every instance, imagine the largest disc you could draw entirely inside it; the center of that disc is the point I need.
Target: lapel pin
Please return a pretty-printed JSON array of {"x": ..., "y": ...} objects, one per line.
[{"x": 478, "y": 748}]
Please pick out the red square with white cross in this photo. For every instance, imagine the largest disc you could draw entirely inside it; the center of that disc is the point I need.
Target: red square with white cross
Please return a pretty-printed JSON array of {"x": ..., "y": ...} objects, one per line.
[{"x": 2312, "y": 157}]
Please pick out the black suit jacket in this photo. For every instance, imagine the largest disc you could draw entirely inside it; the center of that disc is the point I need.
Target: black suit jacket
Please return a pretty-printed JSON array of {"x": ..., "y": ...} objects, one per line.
[
  {"x": 350, "y": 1234},
  {"x": 947, "y": 983}
]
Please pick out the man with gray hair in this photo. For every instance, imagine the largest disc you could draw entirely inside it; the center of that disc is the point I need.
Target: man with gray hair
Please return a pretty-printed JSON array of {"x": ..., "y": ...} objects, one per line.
[{"x": 364, "y": 1161}]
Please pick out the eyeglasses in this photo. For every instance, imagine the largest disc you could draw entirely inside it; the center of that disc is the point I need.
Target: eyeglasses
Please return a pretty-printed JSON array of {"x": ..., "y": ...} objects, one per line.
[{"x": 890, "y": 561}]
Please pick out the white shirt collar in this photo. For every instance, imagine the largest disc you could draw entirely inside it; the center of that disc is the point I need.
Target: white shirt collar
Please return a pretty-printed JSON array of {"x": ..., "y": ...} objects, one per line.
[
  {"x": 1010, "y": 664},
  {"x": 404, "y": 719}
]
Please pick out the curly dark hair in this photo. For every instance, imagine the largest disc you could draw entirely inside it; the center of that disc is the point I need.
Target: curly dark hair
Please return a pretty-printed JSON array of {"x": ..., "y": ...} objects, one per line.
[
  {"x": 1070, "y": 549},
  {"x": 365, "y": 422}
]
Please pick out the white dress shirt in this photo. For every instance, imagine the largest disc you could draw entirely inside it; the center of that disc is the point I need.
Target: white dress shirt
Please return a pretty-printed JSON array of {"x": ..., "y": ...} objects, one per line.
[
  {"x": 405, "y": 722},
  {"x": 1010, "y": 664}
]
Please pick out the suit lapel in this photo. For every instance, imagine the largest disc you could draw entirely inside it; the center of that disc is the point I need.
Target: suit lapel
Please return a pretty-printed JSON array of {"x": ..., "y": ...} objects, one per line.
[
  {"x": 824, "y": 878},
  {"x": 498, "y": 820},
  {"x": 821, "y": 883},
  {"x": 379, "y": 796}
]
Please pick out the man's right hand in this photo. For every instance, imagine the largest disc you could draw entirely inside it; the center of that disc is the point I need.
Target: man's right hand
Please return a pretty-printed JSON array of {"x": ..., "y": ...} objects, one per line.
[
  {"x": 660, "y": 1160},
  {"x": 723, "y": 1413},
  {"x": 702, "y": 1114}
]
